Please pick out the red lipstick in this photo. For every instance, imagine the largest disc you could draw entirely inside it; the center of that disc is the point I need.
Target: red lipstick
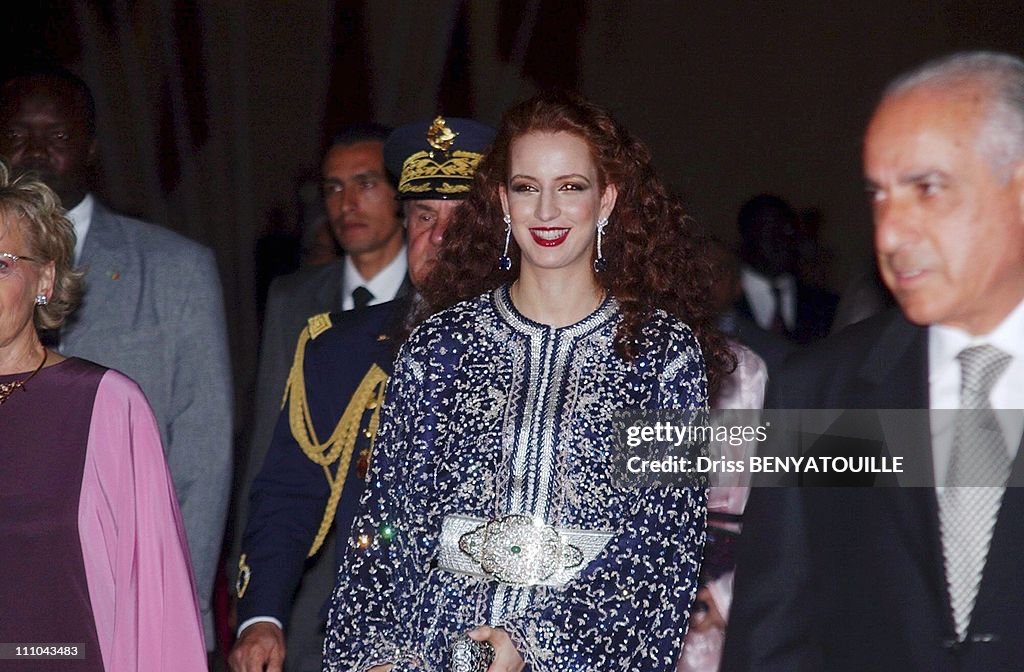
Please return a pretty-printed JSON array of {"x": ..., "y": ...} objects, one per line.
[{"x": 549, "y": 237}]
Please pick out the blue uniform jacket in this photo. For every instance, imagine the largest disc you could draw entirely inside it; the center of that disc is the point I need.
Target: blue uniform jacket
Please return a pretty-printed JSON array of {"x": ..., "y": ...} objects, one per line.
[{"x": 289, "y": 497}]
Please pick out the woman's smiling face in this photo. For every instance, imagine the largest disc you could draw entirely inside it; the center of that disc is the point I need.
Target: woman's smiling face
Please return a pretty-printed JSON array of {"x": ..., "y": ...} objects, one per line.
[{"x": 555, "y": 199}]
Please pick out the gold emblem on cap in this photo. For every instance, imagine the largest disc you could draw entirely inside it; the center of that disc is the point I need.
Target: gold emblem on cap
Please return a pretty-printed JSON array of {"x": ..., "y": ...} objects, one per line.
[
  {"x": 420, "y": 173},
  {"x": 439, "y": 136}
]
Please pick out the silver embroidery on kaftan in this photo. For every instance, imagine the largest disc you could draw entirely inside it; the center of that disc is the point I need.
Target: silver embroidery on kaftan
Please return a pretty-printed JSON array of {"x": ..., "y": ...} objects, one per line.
[{"x": 488, "y": 415}]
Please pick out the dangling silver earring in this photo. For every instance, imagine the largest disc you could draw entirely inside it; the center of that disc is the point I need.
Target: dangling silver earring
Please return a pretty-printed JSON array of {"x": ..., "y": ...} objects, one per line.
[
  {"x": 504, "y": 262},
  {"x": 599, "y": 263},
  {"x": 41, "y": 300}
]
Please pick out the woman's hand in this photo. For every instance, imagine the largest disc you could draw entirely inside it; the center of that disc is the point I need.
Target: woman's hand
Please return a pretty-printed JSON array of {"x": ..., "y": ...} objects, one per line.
[
  {"x": 506, "y": 657},
  {"x": 380, "y": 668}
]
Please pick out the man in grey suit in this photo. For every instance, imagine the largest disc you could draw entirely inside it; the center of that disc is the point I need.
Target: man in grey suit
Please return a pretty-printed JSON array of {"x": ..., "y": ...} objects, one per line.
[
  {"x": 365, "y": 219},
  {"x": 152, "y": 308}
]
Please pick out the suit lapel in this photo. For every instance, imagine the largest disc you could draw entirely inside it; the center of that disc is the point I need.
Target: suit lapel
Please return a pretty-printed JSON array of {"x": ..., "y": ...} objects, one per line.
[
  {"x": 896, "y": 373},
  {"x": 1016, "y": 479},
  {"x": 895, "y": 380},
  {"x": 329, "y": 290},
  {"x": 405, "y": 289},
  {"x": 107, "y": 267},
  {"x": 895, "y": 370}
]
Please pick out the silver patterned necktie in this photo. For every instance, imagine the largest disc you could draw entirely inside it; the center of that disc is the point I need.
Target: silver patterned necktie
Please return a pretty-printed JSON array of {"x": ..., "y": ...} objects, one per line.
[{"x": 978, "y": 469}]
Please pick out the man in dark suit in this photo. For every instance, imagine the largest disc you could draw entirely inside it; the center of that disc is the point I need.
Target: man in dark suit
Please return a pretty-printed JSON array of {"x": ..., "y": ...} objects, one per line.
[
  {"x": 773, "y": 295},
  {"x": 360, "y": 203},
  {"x": 726, "y": 290},
  {"x": 152, "y": 307},
  {"x": 312, "y": 477},
  {"x": 359, "y": 199},
  {"x": 927, "y": 577}
]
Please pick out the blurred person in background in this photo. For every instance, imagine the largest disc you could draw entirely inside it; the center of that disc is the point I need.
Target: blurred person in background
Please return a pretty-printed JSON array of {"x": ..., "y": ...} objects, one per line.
[
  {"x": 726, "y": 291},
  {"x": 774, "y": 296}
]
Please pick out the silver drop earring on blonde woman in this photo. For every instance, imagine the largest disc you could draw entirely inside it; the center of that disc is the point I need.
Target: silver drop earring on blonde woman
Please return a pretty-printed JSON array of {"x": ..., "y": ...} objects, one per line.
[
  {"x": 599, "y": 263},
  {"x": 504, "y": 262}
]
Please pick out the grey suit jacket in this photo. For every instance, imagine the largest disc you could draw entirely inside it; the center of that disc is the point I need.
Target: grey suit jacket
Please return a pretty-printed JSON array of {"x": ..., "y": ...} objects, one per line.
[{"x": 153, "y": 309}]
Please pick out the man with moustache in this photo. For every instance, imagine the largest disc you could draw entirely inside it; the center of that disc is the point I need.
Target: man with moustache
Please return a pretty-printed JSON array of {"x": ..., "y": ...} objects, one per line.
[
  {"x": 313, "y": 474},
  {"x": 914, "y": 578},
  {"x": 152, "y": 308}
]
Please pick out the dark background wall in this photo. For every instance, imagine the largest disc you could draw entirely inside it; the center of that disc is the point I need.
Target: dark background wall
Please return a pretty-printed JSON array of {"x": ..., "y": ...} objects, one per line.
[{"x": 212, "y": 114}]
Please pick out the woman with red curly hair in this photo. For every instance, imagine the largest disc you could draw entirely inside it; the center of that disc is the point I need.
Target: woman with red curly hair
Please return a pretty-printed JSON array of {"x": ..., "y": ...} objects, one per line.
[{"x": 498, "y": 528}]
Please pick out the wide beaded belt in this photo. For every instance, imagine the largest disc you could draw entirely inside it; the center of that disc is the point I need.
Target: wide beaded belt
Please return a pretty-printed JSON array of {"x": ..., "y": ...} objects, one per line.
[{"x": 517, "y": 550}]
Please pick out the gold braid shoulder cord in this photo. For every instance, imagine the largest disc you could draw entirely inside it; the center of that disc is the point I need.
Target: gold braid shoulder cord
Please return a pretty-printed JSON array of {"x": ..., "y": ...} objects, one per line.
[{"x": 341, "y": 444}]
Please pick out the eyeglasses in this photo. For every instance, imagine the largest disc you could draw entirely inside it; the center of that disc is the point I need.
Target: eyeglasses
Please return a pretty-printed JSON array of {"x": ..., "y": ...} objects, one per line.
[{"x": 9, "y": 262}]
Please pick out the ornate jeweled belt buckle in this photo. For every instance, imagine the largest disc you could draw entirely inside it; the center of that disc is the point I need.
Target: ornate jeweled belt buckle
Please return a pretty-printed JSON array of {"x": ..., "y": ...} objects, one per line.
[
  {"x": 517, "y": 549},
  {"x": 468, "y": 655}
]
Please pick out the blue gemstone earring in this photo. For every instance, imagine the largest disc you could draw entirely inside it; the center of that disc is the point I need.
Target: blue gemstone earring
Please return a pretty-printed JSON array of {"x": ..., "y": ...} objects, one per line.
[
  {"x": 504, "y": 262},
  {"x": 599, "y": 263}
]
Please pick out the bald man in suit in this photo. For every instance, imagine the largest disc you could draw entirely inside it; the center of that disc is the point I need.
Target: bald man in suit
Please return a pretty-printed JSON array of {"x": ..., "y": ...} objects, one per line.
[{"x": 926, "y": 577}]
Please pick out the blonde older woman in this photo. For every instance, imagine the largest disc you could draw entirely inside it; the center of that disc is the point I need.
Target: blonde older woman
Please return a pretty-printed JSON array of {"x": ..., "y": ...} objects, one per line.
[{"x": 95, "y": 560}]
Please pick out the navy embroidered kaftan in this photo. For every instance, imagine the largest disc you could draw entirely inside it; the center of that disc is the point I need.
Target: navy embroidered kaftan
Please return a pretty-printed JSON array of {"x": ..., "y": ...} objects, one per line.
[{"x": 490, "y": 414}]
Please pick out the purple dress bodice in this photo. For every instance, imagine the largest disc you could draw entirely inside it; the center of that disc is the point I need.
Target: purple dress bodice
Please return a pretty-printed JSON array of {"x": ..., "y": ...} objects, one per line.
[{"x": 44, "y": 595}]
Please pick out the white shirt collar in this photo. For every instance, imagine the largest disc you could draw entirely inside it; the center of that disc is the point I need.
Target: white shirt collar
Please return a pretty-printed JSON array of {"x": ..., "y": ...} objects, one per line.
[
  {"x": 945, "y": 342},
  {"x": 384, "y": 286},
  {"x": 758, "y": 288},
  {"x": 81, "y": 218}
]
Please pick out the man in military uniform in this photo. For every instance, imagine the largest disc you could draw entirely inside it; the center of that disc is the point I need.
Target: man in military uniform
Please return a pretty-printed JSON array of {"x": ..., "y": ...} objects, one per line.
[{"x": 312, "y": 478}]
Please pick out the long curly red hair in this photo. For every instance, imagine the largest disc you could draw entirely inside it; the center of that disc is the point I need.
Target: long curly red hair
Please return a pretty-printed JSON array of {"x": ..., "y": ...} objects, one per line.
[{"x": 656, "y": 256}]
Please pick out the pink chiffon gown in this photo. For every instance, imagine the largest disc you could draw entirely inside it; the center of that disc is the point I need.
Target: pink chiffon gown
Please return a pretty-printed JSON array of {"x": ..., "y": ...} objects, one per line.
[{"x": 92, "y": 548}]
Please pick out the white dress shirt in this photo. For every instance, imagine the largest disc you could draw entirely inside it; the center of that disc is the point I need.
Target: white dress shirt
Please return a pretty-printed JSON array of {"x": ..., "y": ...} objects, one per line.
[
  {"x": 944, "y": 344},
  {"x": 384, "y": 286},
  {"x": 758, "y": 290},
  {"x": 81, "y": 217}
]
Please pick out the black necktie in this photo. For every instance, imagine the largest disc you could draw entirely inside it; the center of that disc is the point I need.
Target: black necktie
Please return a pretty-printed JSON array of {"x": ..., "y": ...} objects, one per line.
[
  {"x": 361, "y": 297},
  {"x": 778, "y": 324}
]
